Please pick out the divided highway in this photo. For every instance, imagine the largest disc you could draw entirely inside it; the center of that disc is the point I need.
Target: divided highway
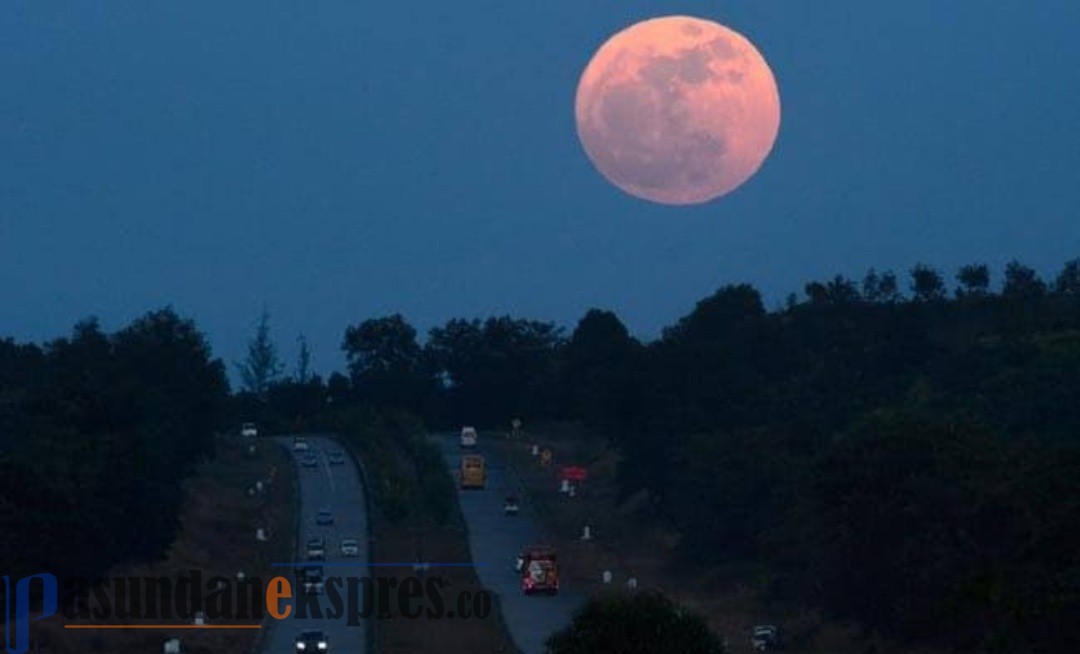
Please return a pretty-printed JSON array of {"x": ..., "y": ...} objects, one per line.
[
  {"x": 495, "y": 541},
  {"x": 338, "y": 488}
]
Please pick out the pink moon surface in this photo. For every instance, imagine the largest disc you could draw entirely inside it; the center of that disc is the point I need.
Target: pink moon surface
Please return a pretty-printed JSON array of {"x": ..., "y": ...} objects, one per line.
[{"x": 677, "y": 110}]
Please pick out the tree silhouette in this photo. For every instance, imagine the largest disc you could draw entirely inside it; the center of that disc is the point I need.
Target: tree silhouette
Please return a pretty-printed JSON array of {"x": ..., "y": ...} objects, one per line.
[
  {"x": 1068, "y": 280},
  {"x": 880, "y": 289},
  {"x": 496, "y": 369},
  {"x": 100, "y": 431},
  {"x": 303, "y": 361},
  {"x": 889, "y": 288},
  {"x": 974, "y": 281},
  {"x": 381, "y": 345},
  {"x": 871, "y": 286},
  {"x": 598, "y": 364},
  {"x": 725, "y": 309},
  {"x": 386, "y": 363},
  {"x": 1022, "y": 282},
  {"x": 262, "y": 367},
  {"x": 841, "y": 447},
  {"x": 927, "y": 284},
  {"x": 641, "y": 623}
]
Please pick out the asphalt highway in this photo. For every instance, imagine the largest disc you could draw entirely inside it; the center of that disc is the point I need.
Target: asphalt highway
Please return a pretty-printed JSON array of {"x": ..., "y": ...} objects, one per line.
[
  {"x": 337, "y": 488},
  {"x": 495, "y": 541}
]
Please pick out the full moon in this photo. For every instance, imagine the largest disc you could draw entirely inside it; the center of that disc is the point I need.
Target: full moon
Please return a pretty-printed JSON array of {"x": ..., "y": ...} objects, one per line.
[{"x": 677, "y": 110}]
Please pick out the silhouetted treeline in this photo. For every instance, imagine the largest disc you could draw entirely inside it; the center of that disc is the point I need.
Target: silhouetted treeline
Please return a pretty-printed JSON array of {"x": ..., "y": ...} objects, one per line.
[
  {"x": 96, "y": 433},
  {"x": 888, "y": 449}
]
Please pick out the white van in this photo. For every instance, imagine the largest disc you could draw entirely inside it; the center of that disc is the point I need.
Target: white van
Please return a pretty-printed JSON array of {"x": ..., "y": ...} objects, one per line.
[{"x": 468, "y": 437}]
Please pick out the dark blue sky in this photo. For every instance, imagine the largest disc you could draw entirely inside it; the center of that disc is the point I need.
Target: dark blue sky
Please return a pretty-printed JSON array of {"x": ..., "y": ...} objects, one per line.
[{"x": 343, "y": 160}]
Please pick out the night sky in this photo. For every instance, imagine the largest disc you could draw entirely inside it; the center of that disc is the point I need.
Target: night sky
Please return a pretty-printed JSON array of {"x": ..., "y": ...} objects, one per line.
[{"x": 337, "y": 161}]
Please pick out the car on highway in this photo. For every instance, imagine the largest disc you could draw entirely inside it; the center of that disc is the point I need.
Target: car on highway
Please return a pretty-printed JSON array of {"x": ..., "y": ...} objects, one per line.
[
  {"x": 538, "y": 567},
  {"x": 299, "y": 444},
  {"x": 310, "y": 460},
  {"x": 510, "y": 507},
  {"x": 468, "y": 437},
  {"x": 473, "y": 473},
  {"x": 313, "y": 581},
  {"x": 324, "y": 517},
  {"x": 248, "y": 430},
  {"x": 336, "y": 458},
  {"x": 316, "y": 548},
  {"x": 311, "y": 641},
  {"x": 765, "y": 637},
  {"x": 350, "y": 547}
]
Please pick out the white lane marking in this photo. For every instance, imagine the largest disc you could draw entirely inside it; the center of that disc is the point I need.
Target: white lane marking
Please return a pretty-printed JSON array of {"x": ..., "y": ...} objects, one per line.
[{"x": 329, "y": 473}]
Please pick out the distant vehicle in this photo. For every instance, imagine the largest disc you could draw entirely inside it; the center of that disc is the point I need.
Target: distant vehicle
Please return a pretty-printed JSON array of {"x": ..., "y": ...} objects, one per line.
[
  {"x": 313, "y": 640},
  {"x": 299, "y": 444},
  {"x": 473, "y": 472},
  {"x": 468, "y": 437},
  {"x": 765, "y": 637},
  {"x": 310, "y": 460},
  {"x": 539, "y": 570},
  {"x": 248, "y": 430},
  {"x": 313, "y": 581},
  {"x": 350, "y": 547},
  {"x": 337, "y": 457},
  {"x": 324, "y": 517},
  {"x": 510, "y": 507},
  {"x": 316, "y": 548}
]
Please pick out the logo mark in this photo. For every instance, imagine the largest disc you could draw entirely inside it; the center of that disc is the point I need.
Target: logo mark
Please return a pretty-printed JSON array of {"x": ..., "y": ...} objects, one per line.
[{"x": 19, "y": 627}]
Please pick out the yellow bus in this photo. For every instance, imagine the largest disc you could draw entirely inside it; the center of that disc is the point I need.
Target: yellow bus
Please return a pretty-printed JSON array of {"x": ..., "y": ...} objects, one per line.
[{"x": 473, "y": 472}]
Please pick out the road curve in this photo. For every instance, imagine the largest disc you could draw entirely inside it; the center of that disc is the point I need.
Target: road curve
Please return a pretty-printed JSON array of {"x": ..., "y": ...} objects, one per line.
[
  {"x": 337, "y": 487},
  {"x": 494, "y": 542}
]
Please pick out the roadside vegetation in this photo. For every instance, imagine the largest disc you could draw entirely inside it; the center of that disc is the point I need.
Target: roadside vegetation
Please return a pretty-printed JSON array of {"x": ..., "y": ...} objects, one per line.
[
  {"x": 218, "y": 520},
  {"x": 641, "y": 623},
  {"x": 415, "y": 519},
  {"x": 628, "y": 542},
  {"x": 97, "y": 434},
  {"x": 898, "y": 452}
]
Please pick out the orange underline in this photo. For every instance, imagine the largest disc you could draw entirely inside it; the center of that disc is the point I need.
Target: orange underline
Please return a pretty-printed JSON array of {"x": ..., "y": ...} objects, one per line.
[{"x": 163, "y": 626}]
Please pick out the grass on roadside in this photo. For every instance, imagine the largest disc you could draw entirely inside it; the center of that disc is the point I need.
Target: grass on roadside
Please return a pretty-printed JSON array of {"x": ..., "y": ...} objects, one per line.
[
  {"x": 416, "y": 518},
  {"x": 217, "y": 538},
  {"x": 626, "y": 541}
]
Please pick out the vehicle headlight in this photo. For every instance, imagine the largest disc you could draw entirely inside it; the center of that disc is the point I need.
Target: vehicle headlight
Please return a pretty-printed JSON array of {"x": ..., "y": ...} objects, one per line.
[
  {"x": 322, "y": 645},
  {"x": 300, "y": 646}
]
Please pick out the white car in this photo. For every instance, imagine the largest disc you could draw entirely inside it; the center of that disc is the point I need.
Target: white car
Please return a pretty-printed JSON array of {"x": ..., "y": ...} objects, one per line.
[
  {"x": 765, "y": 637},
  {"x": 300, "y": 444},
  {"x": 313, "y": 581},
  {"x": 510, "y": 507},
  {"x": 316, "y": 548},
  {"x": 468, "y": 437},
  {"x": 312, "y": 641},
  {"x": 248, "y": 430},
  {"x": 350, "y": 547}
]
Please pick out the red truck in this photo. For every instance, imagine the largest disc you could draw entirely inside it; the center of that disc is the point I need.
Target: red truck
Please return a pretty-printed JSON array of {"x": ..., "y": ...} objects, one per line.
[{"x": 539, "y": 570}]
